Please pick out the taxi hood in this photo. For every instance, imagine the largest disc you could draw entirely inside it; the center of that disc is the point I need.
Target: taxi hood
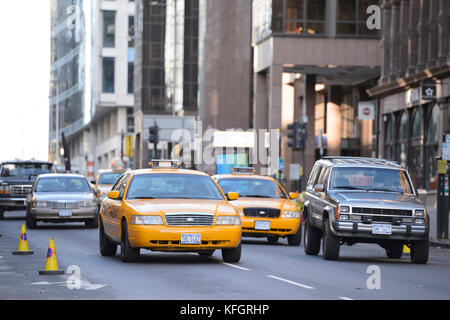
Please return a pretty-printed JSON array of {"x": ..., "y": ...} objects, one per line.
[{"x": 147, "y": 206}]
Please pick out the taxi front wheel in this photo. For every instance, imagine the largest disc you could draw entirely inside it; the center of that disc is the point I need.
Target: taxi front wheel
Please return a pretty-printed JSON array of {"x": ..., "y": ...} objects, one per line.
[
  {"x": 127, "y": 253},
  {"x": 232, "y": 255},
  {"x": 107, "y": 248}
]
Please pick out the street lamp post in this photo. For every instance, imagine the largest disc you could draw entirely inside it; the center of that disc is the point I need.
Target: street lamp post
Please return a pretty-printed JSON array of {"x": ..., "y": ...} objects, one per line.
[{"x": 56, "y": 82}]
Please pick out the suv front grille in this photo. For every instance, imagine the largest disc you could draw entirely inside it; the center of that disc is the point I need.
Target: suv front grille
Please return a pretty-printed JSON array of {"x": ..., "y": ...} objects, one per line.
[
  {"x": 262, "y": 212},
  {"x": 20, "y": 191},
  {"x": 383, "y": 211},
  {"x": 189, "y": 219}
]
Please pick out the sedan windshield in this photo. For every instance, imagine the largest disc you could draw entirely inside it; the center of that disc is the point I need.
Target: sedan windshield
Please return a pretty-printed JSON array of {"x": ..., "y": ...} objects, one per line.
[
  {"x": 173, "y": 186},
  {"x": 261, "y": 188},
  {"x": 109, "y": 178},
  {"x": 62, "y": 184},
  {"x": 370, "y": 179}
]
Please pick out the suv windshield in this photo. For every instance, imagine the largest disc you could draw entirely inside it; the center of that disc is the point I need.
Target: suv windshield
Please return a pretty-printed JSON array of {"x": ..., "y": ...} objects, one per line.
[
  {"x": 252, "y": 187},
  {"x": 370, "y": 179},
  {"x": 62, "y": 184},
  {"x": 25, "y": 169},
  {"x": 109, "y": 178},
  {"x": 173, "y": 186}
]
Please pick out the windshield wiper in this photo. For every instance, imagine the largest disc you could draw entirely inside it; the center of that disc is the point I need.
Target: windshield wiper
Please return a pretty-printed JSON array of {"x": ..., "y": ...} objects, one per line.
[
  {"x": 382, "y": 189},
  {"x": 255, "y": 196},
  {"x": 349, "y": 188},
  {"x": 143, "y": 198}
]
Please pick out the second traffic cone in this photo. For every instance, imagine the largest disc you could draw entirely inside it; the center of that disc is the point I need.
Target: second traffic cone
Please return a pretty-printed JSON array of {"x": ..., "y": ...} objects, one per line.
[
  {"x": 51, "y": 265},
  {"x": 406, "y": 249},
  {"x": 23, "y": 243}
]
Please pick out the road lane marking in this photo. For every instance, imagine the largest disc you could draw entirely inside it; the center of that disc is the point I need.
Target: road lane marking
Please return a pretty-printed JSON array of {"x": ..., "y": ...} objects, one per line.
[
  {"x": 235, "y": 266},
  {"x": 345, "y": 298},
  {"x": 291, "y": 282}
]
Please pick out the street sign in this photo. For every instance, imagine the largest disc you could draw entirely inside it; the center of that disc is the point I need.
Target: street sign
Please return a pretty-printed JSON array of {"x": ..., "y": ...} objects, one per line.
[
  {"x": 366, "y": 110},
  {"x": 446, "y": 151},
  {"x": 429, "y": 91},
  {"x": 294, "y": 171}
]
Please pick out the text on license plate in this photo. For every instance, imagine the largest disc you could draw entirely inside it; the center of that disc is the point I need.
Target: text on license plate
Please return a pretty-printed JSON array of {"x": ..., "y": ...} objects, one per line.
[
  {"x": 65, "y": 213},
  {"x": 262, "y": 225},
  {"x": 381, "y": 229},
  {"x": 190, "y": 238}
]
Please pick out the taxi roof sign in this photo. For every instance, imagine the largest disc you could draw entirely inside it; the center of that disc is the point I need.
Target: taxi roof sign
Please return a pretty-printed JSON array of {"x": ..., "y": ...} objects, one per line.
[
  {"x": 243, "y": 170},
  {"x": 164, "y": 164}
]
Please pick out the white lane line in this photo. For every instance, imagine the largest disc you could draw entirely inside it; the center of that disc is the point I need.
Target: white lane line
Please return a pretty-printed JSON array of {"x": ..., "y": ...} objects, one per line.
[
  {"x": 345, "y": 298},
  {"x": 235, "y": 266},
  {"x": 291, "y": 282}
]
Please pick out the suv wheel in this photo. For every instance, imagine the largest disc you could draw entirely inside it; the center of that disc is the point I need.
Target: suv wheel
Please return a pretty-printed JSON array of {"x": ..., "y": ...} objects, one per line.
[
  {"x": 2, "y": 213},
  {"x": 295, "y": 239},
  {"x": 127, "y": 253},
  {"x": 273, "y": 239},
  {"x": 419, "y": 252},
  {"x": 331, "y": 243},
  {"x": 107, "y": 248},
  {"x": 233, "y": 254},
  {"x": 311, "y": 239},
  {"x": 29, "y": 220},
  {"x": 394, "y": 251}
]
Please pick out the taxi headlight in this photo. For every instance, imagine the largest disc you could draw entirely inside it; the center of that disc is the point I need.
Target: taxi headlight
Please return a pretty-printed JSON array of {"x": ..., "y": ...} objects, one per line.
[
  {"x": 151, "y": 220},
  {"x": 290, "y": 214},
  {"x": 88, "y": 203},
  {"x": 228, "y": 220}
]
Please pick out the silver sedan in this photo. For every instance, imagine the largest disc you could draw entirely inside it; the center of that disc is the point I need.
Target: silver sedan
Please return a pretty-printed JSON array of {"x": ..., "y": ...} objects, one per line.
[{"x": 62, "y": 198}]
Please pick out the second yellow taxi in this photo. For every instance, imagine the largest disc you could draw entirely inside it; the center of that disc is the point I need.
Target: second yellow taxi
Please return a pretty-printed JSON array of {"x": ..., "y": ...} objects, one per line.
[
  {"x": 165, "y": 208},
  {"x": 265, "y": 208}
]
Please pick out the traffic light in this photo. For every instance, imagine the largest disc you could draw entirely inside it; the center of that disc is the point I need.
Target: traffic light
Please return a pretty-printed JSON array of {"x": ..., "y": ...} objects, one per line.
[
  {"x": 296, "y": 135},
  {"x": 154, "y": 134}
]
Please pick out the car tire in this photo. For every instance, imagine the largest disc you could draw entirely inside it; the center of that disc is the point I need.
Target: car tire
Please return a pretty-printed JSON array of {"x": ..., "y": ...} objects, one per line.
[
  {"x": 311, "y": 239},
  {"x": 394, "y": 251},
  {"x": 127, "y": 253},
  {"x": 295, "y": 239},
  {"x": 331, "y": 243},
  {"x": 419, "y": 252},
  {"x": 206, "y": 253},
  {"x": 233, "y": 254},
  {"x": 107, "y": 247},
  {"x": 2, "y": 213},
  {"x": 273, "y": 239},
  {"x": 29, "y": 220},
  {"x": 91, "y": 223}
]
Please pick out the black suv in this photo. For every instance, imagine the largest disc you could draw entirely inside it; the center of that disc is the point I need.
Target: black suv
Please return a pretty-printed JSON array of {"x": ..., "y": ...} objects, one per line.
[
  {"x": 352, "y": 200},
  {"x": 16, "y": 180}
]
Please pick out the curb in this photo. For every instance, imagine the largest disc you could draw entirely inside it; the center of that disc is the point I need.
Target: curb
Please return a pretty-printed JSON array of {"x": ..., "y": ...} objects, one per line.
[{"x": 440, "y": 244}]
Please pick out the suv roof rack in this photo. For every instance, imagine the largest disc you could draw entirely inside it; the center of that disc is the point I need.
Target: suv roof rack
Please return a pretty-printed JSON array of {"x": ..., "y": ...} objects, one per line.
[{"x": 360, "y": 160}]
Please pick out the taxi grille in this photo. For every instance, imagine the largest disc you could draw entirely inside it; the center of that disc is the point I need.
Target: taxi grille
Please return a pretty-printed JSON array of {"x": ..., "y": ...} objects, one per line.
[
  {"x": 262, "y": 212},
  {"x": 20, "y": 191},
  {"x": 189, "y": 219},
  {"x": 383, "y": 212}
]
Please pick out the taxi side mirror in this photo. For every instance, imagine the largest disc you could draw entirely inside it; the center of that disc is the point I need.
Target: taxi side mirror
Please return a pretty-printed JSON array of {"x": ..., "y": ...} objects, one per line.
[
  {"x": 232, "y": 196},
  {"x": 113, "y": 194},
  {"x": 93, "y": 181},
  {"x": 422, "y": 192},
  {"x": 293, "y": 195}
]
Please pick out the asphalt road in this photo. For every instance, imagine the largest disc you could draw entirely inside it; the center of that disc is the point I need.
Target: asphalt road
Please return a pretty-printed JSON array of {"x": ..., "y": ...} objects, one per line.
[{"x": 264, "y": 272}]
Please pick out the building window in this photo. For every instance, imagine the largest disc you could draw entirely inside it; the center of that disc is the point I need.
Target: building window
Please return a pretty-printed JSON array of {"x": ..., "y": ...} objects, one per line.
[
  {"x": 402, "y": 139},
  {"x": 432, "y": 147},
  {"x": 389, "y": 138},
  {"x": 305, "y": 16},
  {"x": 108, "y": 75},
  {"x": 109, "y": 26},
  {"x": 130, "y": 77},
  {"x": 131, "y": 31},
  {"x": 416, "y": 162},
  {"x": 352, "y": 18}
]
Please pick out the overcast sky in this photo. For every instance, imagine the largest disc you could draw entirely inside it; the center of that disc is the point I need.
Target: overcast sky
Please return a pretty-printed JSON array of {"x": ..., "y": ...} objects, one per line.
[{"x": 24, "y": 78}]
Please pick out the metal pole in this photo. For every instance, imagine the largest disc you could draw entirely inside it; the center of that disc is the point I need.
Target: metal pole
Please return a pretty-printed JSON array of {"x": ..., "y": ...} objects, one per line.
[
  {"x": 57, "y": 122},
  {"x": 174, "y": 57}
]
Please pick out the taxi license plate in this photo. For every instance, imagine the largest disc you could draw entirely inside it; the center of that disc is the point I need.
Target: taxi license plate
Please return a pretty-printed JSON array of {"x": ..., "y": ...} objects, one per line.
[
  {"x": 65, "y": 213},
  {"x": 381, "y": 229},
  {"x": 190, "y": 238},
  {"x": 262, "y": 225}
]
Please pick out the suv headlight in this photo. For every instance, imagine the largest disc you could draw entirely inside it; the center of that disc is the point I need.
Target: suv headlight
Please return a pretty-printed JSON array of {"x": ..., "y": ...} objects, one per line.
[
  {"x": 344, "y": 209},
  {"x": 228, "y": 220},
  {"x": 290, "y": 214},
  {"x": 419, "y": 213},
  {"x": 149, "y": 220},
  {"x": 88, "y": 203},
  {"x": 4, "y": 189}
]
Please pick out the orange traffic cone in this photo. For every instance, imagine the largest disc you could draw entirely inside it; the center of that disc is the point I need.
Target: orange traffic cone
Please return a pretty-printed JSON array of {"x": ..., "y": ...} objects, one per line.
[
  {"x": 51, "y": 265},
  {"x": 23, "y": 243}
]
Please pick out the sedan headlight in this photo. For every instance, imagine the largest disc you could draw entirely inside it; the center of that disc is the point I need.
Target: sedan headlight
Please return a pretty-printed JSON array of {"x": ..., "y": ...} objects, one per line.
[
  {"x": 41, "y": 204},
  {"x": 228, "y": 220},
  {"x": 88, "y": 203},
  {"x": 149, "y": 220},
  {"x": 290, "y": 214}
]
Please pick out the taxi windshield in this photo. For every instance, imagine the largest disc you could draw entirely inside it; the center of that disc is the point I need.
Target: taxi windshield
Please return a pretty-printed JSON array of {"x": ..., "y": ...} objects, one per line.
[
  {"x": 109, "y": 178},
  {"x": 370, "y": 179},
  {"x": 173, "y": 186},
  {"x": 260, "y": 188}
]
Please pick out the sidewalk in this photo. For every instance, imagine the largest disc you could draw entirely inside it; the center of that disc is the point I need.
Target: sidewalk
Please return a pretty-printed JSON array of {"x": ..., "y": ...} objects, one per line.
[{"x": 440, "y": 243}]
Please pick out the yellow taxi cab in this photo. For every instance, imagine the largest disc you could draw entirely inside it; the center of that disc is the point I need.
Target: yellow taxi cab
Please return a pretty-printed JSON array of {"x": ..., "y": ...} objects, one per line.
[
  {"x": 265, "y": 207},
  {"x": 106, "y": 178},
  {"x": 165, "y": 208}
]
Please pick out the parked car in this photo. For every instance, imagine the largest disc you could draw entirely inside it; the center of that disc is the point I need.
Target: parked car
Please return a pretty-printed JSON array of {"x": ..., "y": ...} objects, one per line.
[
  {"x": 62, "y": 198},
  {"x": 16, "y": 180},
  {"x": 363, "y": 200}
]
